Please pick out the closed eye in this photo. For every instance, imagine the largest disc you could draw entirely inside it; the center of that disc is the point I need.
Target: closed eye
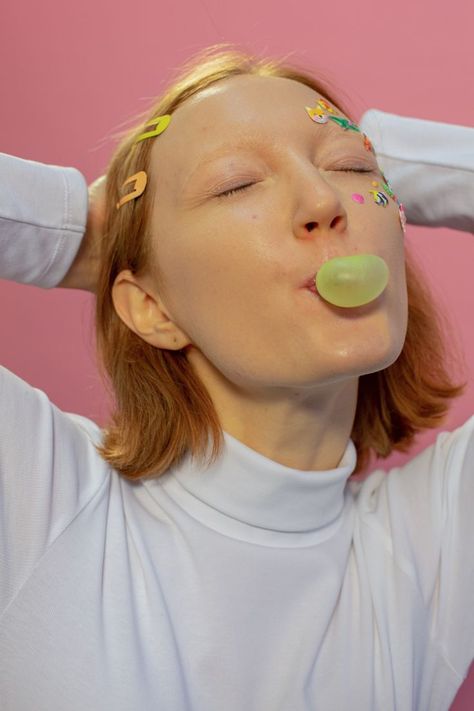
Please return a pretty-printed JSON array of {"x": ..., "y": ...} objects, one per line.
[
  {"x": 231, "y": 191},
  {"x": 355, "y": 170}
]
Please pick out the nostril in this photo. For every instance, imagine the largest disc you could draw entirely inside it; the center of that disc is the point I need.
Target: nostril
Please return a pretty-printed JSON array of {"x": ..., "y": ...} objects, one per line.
[{"x": 310, "y": 226}]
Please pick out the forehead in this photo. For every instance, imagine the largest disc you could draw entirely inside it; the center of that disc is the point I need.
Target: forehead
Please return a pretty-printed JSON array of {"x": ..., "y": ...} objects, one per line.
[
  {"x": 244, "y": 98},
  {"x": 238, "y": 111}
]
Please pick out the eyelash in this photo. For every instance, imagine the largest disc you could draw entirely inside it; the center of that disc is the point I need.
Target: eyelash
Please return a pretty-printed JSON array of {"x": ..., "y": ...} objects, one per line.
[
  {"x": 226, "y": 193},
  {"x": 232, "y": 191},
  {"x": 355, "y": 170}
]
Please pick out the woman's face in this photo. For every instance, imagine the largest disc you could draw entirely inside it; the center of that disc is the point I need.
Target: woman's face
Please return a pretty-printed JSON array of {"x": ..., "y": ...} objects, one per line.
[{"x": 233, "y": 265}]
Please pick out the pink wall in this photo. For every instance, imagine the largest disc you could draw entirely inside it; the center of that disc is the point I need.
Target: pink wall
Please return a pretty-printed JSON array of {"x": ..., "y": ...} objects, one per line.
[{"x": 73, "y": 72}]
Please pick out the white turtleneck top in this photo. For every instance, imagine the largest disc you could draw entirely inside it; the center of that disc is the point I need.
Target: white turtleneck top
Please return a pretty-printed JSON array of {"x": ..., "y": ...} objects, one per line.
[{"x": 248, "y": 585}]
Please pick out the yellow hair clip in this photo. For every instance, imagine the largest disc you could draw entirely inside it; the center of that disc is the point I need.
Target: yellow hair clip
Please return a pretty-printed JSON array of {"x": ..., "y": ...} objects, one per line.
[
  {"x": 161, "y": 122},
  {"x": 140, "y": 180}
]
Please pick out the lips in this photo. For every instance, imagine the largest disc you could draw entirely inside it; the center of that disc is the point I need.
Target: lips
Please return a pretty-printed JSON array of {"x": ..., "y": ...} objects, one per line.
[
  {"x": 310, "y": 284},
  {"x": 350, "y": 281}
]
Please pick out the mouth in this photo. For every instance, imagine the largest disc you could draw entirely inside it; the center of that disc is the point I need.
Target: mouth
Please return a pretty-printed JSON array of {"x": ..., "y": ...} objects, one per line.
[
  {"x": 312, "y": 287},
  {"x": 361, "y": 271},
  {"x": 355, "y": 312},
  {"x": 350, "y": 282},
  {"x": 310, "y": 284}
]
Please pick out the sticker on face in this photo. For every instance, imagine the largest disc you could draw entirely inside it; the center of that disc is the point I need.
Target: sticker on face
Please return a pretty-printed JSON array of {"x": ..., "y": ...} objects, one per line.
[
  {"x": 403, "y": 219},
  {"x": 379, "y": 197},
  {"x": 323, "y": 112},
  {"x": 316, "y": 115},
  {"x": 368, "y": 144},
  {"x": 324, "y": 105},
  {"x": 345, "y": 123}
]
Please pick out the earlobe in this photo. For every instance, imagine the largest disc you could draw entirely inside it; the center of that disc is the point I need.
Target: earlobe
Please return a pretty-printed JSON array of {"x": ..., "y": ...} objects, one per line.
[{"x": 142, "y": 312}]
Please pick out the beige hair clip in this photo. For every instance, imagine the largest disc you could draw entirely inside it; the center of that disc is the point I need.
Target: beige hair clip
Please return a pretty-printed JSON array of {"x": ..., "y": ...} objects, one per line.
[{"x": 140, "y": 181}]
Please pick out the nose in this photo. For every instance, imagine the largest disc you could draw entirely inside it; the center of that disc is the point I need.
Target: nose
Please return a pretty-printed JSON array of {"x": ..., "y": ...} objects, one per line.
[{"x": 318, "y": 207}]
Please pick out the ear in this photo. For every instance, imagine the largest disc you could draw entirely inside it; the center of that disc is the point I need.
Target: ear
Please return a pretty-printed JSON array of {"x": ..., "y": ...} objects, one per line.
[{"x": 145, "y": 314}]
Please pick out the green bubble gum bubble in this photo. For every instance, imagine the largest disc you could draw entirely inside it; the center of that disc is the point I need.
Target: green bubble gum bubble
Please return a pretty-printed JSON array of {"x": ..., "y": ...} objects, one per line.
[{"x": 352, "y": 281}]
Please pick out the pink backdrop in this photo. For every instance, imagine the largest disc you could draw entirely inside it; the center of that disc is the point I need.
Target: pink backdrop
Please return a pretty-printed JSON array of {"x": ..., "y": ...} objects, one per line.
[{"x": 73, "y": 72}]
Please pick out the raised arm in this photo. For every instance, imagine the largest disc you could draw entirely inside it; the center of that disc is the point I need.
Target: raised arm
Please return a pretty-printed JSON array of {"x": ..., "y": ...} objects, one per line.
[
  {"x": 49, "y": 467},
  {"x": 43, "y": 215},
  {"x": 43, "y": 203},
  {"x": 430, "y": 166}
]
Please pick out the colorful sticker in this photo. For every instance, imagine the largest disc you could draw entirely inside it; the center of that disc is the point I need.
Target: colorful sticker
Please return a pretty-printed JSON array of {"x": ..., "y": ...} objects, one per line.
[
  {"x": 316, "y": 115},
  {"x": 388, "y": 188},
  {"x": 327, "y": 107},
  {"x": 345, "y": 123},
  {"x": 368, "y": 144},
  {"x": 403, "y": 219},
  {"x": 358, "y": 198},
  {"x": 379, "y": 197}
]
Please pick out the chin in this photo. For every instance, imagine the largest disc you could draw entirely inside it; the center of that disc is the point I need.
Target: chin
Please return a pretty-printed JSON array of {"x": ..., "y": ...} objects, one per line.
[
  {"x": 383, "y": 359},
  {"x": 370, "y": 354}
]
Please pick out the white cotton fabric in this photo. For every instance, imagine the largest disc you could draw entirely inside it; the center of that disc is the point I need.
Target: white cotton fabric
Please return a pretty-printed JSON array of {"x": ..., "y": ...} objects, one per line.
[
  {"x": 245, "y": 585},
  {"x": 429, "y": 163},
  {"x": 249, "y": 585},
  {"x": 43, "y": 212}
]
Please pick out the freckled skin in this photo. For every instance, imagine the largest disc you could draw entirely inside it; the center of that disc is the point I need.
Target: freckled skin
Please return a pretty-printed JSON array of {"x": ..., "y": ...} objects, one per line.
[{"x": 280, "y": 364}]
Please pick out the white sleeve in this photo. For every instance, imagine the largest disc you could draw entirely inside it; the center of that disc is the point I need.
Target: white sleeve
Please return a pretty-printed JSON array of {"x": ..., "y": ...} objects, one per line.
[
  {"x": 43, "y": 214},
  {"x": 424, "y": 510},
  {"x": 430, "y": 166},
  {"x": 49, "y": 467}
]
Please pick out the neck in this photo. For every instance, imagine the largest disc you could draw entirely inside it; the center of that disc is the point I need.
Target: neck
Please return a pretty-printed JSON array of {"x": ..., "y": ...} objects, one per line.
[{"x": 302, "y": 428}]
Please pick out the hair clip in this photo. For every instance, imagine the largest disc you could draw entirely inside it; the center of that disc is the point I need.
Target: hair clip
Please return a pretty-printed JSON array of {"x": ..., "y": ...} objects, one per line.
[
  {"x": 161, "y": 122},
  {"x": 140, "y": 180}
]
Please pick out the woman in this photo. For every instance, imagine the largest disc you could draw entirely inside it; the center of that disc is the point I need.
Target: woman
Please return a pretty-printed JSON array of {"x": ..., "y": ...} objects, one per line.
[{"x": 207, "y": 550}]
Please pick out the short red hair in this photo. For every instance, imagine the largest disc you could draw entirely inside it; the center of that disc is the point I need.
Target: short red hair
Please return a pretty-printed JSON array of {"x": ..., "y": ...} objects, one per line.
[{"x": 162, "y": 410}]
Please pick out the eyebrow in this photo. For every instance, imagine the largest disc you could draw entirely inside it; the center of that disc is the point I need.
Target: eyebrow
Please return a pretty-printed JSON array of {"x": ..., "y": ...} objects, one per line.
[
  {"x": 253, "y": 142},
  {"x": 224, "y": 149},
  {"x": 227, "y": 147}
]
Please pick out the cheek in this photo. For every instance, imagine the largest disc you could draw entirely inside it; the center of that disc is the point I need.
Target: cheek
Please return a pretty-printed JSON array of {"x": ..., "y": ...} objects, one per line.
[
  {"x": 381, "y": 234},
  {"x": 204, "y": 274},
  {"x": 230, "y": 251},
  {"x": 397, "y": 297}
]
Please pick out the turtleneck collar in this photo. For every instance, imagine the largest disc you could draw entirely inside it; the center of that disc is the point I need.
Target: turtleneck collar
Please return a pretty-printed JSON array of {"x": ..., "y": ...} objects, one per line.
[{"x": 244, "y": 488}]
